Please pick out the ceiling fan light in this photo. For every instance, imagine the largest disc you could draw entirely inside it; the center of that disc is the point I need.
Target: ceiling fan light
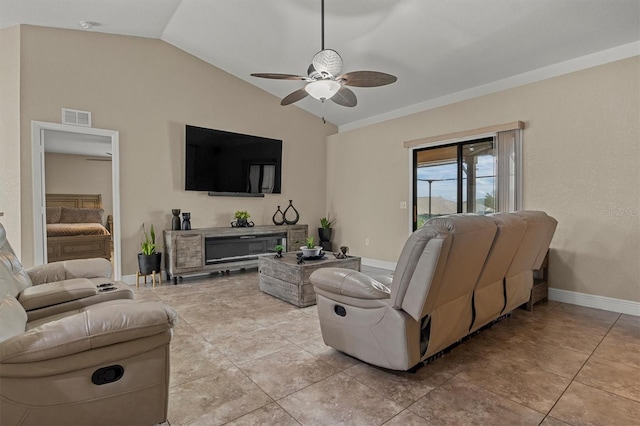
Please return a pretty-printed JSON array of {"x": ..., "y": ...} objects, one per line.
[{"x": 322, "y": 89}]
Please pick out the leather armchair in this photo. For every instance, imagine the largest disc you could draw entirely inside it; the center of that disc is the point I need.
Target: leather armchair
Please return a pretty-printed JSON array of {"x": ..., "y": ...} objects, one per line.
[
  {"x": 453, "y": 271},
  {"x": 105, "y": 364},
  {"x": 57, "y": 287}
]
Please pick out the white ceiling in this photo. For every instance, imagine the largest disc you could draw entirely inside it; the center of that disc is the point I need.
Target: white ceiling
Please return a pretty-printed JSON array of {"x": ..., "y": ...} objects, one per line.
[{"x": 436, "y": 48}]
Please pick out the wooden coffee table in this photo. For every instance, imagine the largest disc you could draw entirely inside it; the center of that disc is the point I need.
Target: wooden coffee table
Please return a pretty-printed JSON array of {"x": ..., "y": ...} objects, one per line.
[{"x": 285, "y": 279}]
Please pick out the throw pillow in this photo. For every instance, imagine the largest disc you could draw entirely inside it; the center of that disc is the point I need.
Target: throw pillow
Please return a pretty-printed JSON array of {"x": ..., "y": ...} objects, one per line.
[{"x": 73, "y": 215}]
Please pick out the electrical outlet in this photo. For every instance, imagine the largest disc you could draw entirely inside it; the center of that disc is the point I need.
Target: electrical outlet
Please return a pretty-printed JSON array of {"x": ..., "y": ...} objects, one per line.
[
  {"x": 403, "y": 205},
  {"x": 366, "y": 241}
]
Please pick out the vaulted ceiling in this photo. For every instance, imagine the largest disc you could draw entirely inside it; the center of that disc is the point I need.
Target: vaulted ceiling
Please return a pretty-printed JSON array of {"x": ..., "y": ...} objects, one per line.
[{"x": 438, "y": 49}]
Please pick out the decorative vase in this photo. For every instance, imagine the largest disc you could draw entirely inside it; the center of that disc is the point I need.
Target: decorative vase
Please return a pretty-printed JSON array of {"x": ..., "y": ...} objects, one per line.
[
  {"x": 276, "y": 219},
  {"x": 149, "y": 263},
  {"x": 175, "y": 220},
  {"x": 186, "y": 221},
  {"x": 284, "y": 215}
]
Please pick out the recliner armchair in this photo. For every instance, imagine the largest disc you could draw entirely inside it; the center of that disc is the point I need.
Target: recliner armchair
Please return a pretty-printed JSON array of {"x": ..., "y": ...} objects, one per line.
[
  {"x": 57, "y": 287},
  {"x": 434, "y": 298},
  {"x": 102, "y": 364},
  {"x": 105, "y": 364}
]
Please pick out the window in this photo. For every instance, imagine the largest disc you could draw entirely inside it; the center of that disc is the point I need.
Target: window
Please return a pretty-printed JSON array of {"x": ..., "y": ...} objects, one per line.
[{"x": 474, "y": 176}]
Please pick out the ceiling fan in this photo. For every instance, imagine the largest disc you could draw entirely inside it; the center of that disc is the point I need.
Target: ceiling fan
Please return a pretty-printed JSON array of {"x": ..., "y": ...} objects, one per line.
[{"x": 324, "y": 80}]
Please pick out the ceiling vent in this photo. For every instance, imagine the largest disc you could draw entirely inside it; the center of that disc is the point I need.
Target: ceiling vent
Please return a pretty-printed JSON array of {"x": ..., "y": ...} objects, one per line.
[{"x": 76, "y": 117}]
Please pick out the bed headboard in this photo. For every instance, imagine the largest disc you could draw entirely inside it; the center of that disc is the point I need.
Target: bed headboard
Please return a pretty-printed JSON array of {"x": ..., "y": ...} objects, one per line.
[{"x": 91, "y": 201}]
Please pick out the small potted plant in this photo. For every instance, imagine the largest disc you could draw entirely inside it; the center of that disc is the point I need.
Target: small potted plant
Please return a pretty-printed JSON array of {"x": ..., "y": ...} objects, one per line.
[
  {"x": 324, "y": 232},
  {"x": 149, "y": 260},
  {"x": 279, "y": 248},
  {"x": 310, "y": 249},
  {"x": 242, "y": 219}
]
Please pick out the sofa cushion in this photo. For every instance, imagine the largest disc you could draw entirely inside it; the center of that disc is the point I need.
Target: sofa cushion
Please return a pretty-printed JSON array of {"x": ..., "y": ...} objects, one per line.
[
  {"x": 73, "y": 215},
  {"x": 13, "y": 318},
  {"x": 49, "y": 294},
  {"x": 53, "y": 214}
]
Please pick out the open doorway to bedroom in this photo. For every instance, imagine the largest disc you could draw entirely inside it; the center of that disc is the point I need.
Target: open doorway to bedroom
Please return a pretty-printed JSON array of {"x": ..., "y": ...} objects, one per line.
[{"x": 76, "y": 195}]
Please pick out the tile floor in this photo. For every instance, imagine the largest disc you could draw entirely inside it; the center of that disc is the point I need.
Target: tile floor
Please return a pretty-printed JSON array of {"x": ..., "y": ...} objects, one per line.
[{"x": 241, "y": 357}]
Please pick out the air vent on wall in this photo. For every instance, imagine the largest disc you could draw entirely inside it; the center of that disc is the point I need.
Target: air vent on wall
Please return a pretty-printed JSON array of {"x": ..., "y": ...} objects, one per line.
[{"x": 76, "y": 117}]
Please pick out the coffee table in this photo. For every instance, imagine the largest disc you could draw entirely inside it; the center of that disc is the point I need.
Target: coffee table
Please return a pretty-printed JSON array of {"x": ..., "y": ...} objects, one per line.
[{"x": 285, "y": 279}]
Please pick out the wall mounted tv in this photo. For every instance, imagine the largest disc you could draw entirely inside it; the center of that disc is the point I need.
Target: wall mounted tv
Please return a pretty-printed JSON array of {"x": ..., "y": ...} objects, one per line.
[{"x": 233, "y": 164}]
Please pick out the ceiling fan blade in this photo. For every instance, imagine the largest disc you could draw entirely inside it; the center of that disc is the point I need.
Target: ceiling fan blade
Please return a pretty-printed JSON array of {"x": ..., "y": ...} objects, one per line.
[
  {"x": 366, "y": 79},
  {"x": 345, "y": 97},
  {"x": 280, "y": 76},
  {"x": 328, "y": 61},
  {"x": 294, "y": 97}
]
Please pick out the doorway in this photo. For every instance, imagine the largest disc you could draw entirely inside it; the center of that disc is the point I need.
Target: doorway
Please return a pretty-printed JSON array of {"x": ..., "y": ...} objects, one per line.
[{"x": 63, "y": 139}]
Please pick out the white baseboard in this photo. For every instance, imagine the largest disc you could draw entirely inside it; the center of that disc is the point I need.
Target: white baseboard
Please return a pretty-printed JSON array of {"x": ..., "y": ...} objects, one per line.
[
  {"x": 592, "y": 301},
  {"x": 382, "y": 264}
]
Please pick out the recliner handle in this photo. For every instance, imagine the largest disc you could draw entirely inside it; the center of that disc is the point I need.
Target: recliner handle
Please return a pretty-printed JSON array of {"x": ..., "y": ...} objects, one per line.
[
  {"x": 109, "y": 374},
  {"x": 340, "y": 310}
]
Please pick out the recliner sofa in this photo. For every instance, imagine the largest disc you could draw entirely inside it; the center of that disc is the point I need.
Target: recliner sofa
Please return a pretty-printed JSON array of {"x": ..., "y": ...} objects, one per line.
[
  {"x": 454, "y": 275},
  {"x": 102, "y": 364}
]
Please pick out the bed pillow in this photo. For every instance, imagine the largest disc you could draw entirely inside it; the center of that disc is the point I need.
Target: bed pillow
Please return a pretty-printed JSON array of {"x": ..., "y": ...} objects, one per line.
[
  {"x": 73, "y": 215},
  {"x": 53, "y": 214}
]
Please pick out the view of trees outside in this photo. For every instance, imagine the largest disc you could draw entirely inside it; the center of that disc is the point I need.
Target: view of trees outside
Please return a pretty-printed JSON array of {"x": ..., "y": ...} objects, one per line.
[{"x": 437, "y": 182}]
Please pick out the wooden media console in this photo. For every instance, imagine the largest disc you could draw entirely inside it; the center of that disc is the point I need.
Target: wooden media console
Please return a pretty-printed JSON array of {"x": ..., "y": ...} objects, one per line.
[{"x": 209, "y": 250}]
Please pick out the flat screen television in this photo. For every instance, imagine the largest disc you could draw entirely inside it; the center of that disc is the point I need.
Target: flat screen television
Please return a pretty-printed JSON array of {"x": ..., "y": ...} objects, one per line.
[{"x": 226, "y": 163}]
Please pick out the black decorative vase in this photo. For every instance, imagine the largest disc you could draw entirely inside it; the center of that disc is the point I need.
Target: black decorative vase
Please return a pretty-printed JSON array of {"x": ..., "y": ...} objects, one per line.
[
  {"x": 278, "y": 217},
  {"x": 148, "y": 263},
  {"x": 297, "y": 215},
  {"x": 186, "y": 221},
  {"x": 175, "y": 220}
]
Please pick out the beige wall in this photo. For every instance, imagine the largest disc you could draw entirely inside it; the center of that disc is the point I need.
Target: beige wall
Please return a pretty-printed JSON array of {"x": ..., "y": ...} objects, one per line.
[
  {"x": 74, "y": 174},
  {"x": 10, "y": 133},
  {"x": 148, "y": 90},
  {"x": 581, "y": 156},
  {"x": 581, "y": 149}
]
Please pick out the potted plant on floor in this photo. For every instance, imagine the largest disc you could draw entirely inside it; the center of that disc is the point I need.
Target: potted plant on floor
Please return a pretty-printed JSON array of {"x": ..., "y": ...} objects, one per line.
[
  {"x": 325, "y": 231},
  {"x": 149, "y": 260}
]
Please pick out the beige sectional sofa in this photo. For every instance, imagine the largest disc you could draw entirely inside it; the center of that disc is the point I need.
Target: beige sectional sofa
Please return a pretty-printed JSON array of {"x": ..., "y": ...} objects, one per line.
[
  {"x": 455, "y": 275},
  {"x": 74, "y": 354}
]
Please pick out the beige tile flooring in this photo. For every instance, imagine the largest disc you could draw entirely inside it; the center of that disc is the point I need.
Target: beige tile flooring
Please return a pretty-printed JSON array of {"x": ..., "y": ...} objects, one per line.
[{"x": 241, "y": 357}]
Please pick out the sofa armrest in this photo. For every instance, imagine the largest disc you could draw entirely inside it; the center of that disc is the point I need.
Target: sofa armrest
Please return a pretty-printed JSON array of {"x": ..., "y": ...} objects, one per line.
[
  {"x": 348, "y": 282},
  {"x": 96, "y": 327},
  {"x": 385, "y": 280},
  {"x": 66, "y": 269}
]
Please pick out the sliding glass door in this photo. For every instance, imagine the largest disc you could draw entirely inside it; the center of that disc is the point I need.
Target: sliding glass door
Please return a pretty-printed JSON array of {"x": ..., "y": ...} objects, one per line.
[{"x": 454, "y": 178}]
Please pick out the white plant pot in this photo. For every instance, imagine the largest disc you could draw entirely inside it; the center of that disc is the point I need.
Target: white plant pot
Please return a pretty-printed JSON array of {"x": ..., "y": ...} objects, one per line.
[{"x": 310, "y": 252}]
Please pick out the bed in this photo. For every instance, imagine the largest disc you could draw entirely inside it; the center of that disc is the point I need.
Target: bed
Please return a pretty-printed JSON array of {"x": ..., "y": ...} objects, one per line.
[{"x": 76, "y": 228}]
